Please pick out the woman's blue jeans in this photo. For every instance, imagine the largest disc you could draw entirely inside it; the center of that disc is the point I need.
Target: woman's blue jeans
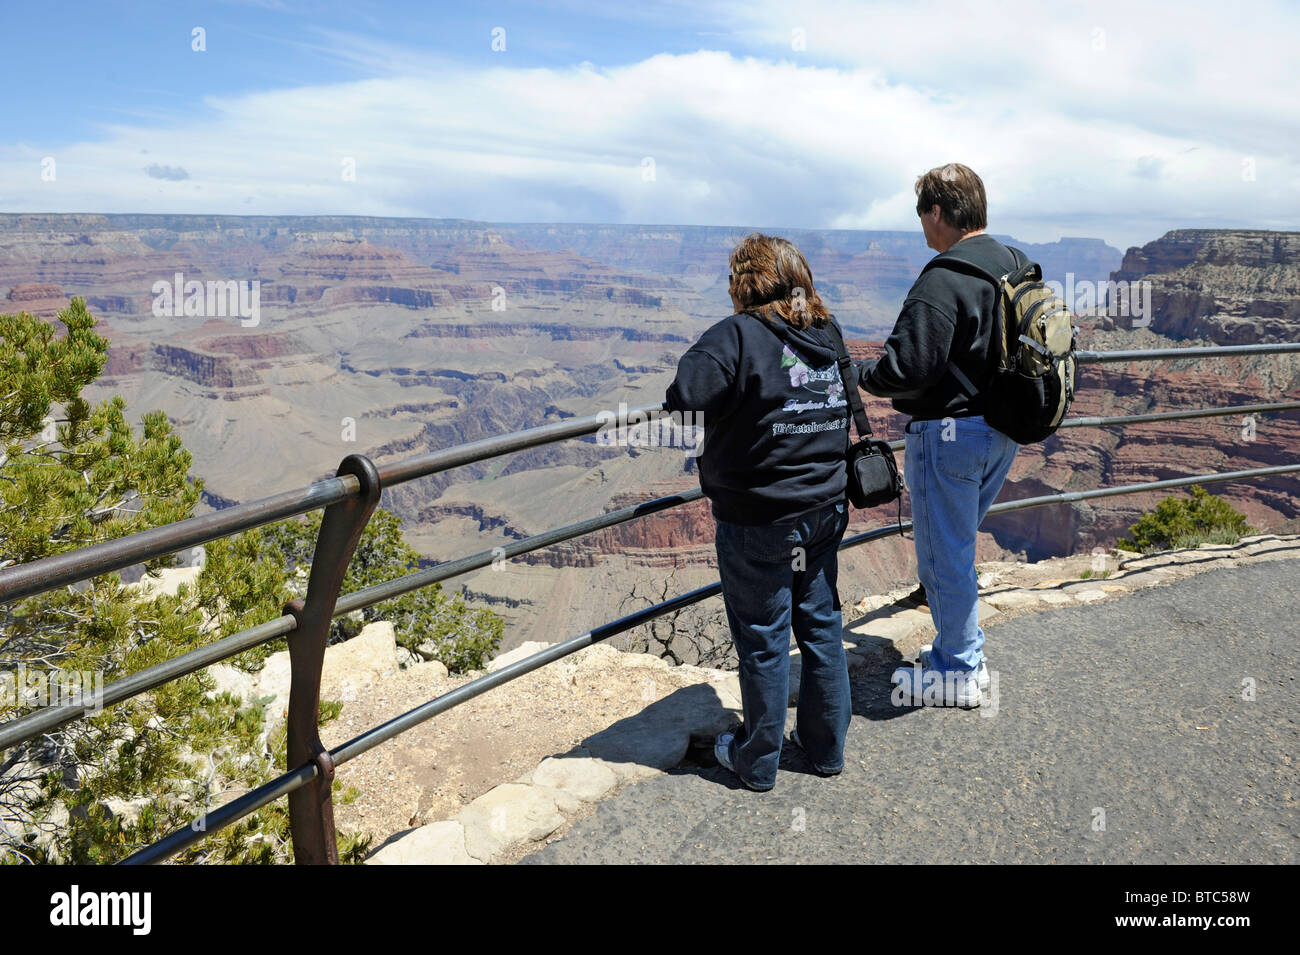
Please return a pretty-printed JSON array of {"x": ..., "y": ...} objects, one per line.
[
  {"x": 954, "y": 468},
  {"x": 775, "y": 578}
]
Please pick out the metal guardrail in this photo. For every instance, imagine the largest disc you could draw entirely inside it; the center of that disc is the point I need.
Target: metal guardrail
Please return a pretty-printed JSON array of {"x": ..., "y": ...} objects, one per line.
[
  {"x": 349, "y": 498},
  {"x": 1198, "y": 351}
]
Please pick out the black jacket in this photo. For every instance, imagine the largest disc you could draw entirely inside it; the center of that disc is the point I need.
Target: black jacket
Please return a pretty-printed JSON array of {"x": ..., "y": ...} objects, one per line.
[
  {"x": 774, "y": 418},
  {"x": 947, "y": 314}
]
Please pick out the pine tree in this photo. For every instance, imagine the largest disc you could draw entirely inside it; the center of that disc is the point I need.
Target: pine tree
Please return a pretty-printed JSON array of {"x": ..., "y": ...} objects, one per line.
[
  {"x": 428, "y": 622},
  {"x": 72, "y": 475}
]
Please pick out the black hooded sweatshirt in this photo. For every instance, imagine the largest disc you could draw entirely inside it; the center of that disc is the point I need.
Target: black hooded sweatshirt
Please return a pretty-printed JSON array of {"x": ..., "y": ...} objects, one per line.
[
  {"x": 774, "y": 417},
  {"x": 948, "y": 315}
]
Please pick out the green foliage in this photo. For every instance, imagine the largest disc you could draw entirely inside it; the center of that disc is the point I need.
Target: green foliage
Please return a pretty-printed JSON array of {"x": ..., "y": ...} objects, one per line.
[
  {"x": 428, "y": 621},
  {"x": 72, "y": 474},
  {"x": 38, "y": 368},
  {"x": 84, "y": 477},
  {"x": 1179, "y": 522}
]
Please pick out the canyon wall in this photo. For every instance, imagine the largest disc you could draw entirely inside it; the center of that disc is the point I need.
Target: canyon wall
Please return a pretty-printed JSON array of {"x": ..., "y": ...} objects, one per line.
[{"x": 397, "y": 337}]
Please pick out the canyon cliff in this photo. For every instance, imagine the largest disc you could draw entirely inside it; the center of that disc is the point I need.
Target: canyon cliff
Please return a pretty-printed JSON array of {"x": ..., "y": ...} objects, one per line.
[{"x": 395, "y": 337}]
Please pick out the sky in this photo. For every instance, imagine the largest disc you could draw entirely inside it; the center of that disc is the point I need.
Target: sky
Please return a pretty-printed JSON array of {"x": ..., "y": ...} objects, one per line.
[{"x": 1119, "y": 120}]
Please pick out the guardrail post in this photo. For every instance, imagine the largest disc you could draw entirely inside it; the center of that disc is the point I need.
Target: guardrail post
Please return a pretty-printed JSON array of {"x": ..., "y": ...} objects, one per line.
[{"x": 311, "y": 809}]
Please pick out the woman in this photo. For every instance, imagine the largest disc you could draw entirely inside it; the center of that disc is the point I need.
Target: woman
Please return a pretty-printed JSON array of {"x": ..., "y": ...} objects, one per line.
[{"x": 772, "y": 465}]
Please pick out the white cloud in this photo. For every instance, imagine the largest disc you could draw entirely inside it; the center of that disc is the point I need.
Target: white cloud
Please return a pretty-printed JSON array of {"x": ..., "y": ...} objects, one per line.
[{"x": 1152, "y": 131}]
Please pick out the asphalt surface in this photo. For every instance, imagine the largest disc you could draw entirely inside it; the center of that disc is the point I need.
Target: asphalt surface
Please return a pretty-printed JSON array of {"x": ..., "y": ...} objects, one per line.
[{"x": 1120, "y": 734}]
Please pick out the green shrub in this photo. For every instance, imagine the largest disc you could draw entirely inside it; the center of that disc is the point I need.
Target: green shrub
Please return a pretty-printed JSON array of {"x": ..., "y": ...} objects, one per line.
[
  {"x": 428, "y": 621},
  {"x": 73, "y": 474},
  {"x": 1178, "y": 522}
]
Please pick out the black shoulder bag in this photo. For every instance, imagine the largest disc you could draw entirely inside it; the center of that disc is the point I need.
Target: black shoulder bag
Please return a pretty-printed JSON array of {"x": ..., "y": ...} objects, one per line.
[{"x": 873, "y": 472}]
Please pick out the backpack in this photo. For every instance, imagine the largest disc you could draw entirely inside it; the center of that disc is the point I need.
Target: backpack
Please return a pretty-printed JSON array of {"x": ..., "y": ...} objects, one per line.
[{"x": 1032, "y": 381}]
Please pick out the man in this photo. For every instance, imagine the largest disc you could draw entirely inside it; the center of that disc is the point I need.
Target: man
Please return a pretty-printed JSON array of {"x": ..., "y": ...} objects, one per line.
[{"x": 954, "y": 463}]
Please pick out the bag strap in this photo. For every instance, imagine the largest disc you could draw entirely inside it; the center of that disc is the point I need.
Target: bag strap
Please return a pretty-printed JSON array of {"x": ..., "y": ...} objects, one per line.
[{"x": 847, "y": 379}]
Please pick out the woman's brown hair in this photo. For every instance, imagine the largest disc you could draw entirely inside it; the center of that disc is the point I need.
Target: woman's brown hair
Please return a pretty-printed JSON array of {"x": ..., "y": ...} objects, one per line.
[{"x": 770, "y": 275}]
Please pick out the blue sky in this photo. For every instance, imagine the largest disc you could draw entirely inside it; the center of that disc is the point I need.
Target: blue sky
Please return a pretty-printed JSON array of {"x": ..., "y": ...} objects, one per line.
[
  {"x": 1112, "y": 119},
  {"x": 132, "y": 61}
]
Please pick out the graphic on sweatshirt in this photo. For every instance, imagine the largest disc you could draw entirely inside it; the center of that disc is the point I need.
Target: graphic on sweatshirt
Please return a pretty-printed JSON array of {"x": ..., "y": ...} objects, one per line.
[{"x": 824, "y": 382}]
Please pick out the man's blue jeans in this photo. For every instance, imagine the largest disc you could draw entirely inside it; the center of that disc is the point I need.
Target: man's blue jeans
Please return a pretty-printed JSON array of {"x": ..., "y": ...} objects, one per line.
[
  {"x": 775, "y": 577},
  {"x": 954, "y": 468}
]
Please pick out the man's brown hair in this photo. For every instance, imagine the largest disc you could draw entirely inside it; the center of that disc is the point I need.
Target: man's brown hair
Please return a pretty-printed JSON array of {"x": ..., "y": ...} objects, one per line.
[
  {"x": 770, "y": 274},
  {"x": 958, "y": 193}
]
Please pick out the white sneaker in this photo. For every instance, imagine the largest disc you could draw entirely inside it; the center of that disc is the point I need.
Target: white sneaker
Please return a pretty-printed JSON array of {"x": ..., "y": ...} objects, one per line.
[
  {"x": 920, "y": 686},
  {"x": 981, "y": 671}
]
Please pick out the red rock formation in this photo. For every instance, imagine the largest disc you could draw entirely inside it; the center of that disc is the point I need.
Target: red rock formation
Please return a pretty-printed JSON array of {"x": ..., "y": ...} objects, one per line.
[
  {"x": 211, "y": 371},
  {"x": 43, "y": 300},
  {"x": 1229, "y": 286},
  {"x": 250, "y": 345}
]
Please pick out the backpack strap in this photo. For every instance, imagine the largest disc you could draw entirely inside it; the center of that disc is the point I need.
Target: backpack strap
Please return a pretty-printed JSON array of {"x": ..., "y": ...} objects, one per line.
[{"x": 958, "y": 262}]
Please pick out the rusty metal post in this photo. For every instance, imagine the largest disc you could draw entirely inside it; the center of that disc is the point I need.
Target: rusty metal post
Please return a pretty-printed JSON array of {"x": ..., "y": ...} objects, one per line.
[{"x": 311, "y": 809}]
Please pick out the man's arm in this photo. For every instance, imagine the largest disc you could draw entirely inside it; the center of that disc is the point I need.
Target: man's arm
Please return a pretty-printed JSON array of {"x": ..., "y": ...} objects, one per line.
[{"x": 916, "y": 353}]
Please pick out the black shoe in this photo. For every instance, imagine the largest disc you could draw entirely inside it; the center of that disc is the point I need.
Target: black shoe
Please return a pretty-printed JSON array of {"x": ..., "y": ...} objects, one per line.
[{"x": 794, "y": 738}]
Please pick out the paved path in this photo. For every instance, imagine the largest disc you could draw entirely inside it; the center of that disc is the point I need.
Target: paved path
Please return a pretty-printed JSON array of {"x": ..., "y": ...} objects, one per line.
[{"x": 1132, "y": 708}]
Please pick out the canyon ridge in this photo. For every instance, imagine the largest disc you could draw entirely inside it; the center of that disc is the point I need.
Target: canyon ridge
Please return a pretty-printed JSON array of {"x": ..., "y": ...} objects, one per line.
[{"x": 393, "y": 337}]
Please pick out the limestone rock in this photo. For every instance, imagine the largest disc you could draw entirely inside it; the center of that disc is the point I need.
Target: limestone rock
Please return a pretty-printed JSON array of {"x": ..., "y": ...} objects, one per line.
[
  {"x": 890, "y": 624},
  {"x": 632, "y": 772},
  {"x": 236, "y": 682},
  {"x": 507, "y": 815},
  {"x": 348, "y": 669},
  {"x": 1012, "y": 599},
  {"x": 360, "y": 661},
  {"x": 565, "y": 801},
  {"x": 436, "y": 667},
  {"x": 586, "y": 778},
  {"x": 439, "y": 843},
  {"x": 168, "y": 581},
  {"x": 513, "y": 656}
]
